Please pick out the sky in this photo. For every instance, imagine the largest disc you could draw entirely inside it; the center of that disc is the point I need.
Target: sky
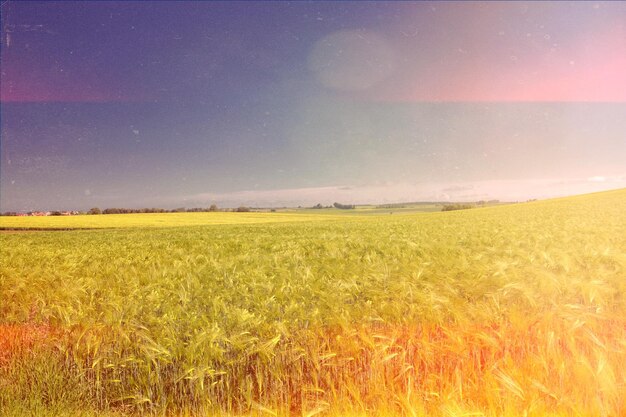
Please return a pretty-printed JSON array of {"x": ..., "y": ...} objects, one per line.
[{"x": 186, "y": 104}]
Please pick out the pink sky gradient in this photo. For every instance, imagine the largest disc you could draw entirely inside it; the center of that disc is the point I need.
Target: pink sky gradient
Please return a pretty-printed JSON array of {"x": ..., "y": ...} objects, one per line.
[
  {"x": 469, "y": 55},
  {"x": 36, "y": 86}
]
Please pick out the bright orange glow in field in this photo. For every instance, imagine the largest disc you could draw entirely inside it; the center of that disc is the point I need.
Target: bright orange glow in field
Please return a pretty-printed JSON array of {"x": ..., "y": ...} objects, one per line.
[{"x": 538, "y": 365}]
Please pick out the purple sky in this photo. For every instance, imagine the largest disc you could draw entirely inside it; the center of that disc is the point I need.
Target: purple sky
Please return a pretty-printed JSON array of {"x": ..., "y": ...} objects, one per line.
[{"x": 189, "y": 103}]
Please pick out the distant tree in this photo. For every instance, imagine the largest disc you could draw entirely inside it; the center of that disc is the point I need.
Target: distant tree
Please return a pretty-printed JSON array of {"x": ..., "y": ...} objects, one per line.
[
  {"x": 94, "y": 210},
  {"x": 318, "y": 206},
  {"x": 243, "y": 209},
  {"x": 457, "y": 206},
  {"x": 343, "y": 206},
  {"x": 213, "y": 207},
  {"x": 55, "y": 213}
]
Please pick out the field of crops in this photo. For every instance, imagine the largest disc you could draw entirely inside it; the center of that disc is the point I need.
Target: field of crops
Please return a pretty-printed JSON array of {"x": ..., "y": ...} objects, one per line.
[
  {"x": 516, "y": 310},
  {"x": 151, "y": 220}
]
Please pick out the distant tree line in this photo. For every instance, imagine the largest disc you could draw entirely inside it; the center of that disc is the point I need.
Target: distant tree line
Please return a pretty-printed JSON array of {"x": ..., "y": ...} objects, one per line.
[
  {"x": 117, "y": 210},
  {"x": 343, "y": 206},
  {"x": 41, "y": 213},
  {"x": 465, "y": 206},
  {"x": 457, "y": 206},
  {"x": 121, "y": 210},
  {"x": 212, "y": 207},
  {"x": 243, "y": 209},
  {"x": 320, "y": 206}
]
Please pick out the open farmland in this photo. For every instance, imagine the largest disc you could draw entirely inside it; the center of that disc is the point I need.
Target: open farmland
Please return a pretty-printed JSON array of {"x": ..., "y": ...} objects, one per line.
[
  {"x": 151, "y": 220},
  {"x": 500, "y": 311}
]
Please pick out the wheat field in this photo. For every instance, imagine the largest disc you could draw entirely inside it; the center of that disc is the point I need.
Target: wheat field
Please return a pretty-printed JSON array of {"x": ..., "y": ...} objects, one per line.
[{"x": 515, "y": 310}]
